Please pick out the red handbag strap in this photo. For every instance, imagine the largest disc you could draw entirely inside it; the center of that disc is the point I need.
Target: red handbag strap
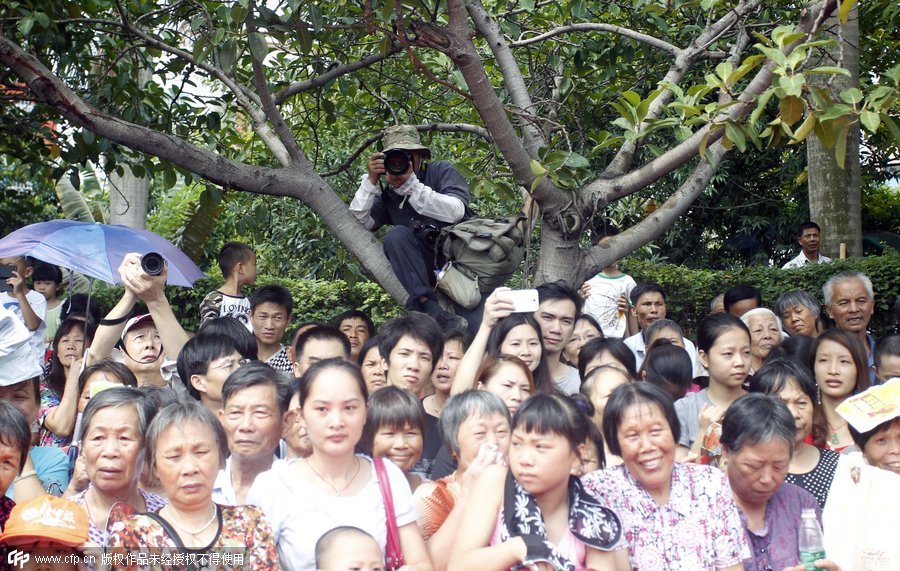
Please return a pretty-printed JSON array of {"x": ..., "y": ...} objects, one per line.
[{"x": 392, "y": 550}]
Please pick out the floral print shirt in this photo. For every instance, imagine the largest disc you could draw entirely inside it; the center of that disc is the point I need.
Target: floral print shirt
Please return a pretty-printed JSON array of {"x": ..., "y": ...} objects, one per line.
[
  {"x": 146, "y": 543},
  {"x": 49, "y": 401},
  {"x": 698, "y": 529},
  {"x": 98, "y": 536}
]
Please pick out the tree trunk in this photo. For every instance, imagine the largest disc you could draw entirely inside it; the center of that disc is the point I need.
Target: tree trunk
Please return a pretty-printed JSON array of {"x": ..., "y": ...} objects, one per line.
[
  {"x": 129, "y": 195},
  {"x": 834, "y": 192},
  {"x": 128, "y": 198}
]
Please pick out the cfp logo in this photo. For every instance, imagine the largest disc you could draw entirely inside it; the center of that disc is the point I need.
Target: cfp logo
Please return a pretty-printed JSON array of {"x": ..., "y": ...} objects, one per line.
[{"x": 17, "y": 559}]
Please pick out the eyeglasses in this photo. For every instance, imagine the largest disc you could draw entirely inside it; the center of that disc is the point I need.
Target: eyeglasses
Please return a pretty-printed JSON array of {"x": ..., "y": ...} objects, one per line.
[{"x": 231, "y": 364}]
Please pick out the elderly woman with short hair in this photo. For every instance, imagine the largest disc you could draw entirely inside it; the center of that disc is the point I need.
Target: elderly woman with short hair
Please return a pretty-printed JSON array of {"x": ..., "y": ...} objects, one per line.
[
  {"x": 113, "y": 430},
  {"x": 187, "y": 447},
  {"x": 799, "y": 312},
  {"x": 475, "y": 428},
  {"x": 765, "y": 335},
  {"x": 674, "y": 516},
  {"x": 758, "y": 436}
]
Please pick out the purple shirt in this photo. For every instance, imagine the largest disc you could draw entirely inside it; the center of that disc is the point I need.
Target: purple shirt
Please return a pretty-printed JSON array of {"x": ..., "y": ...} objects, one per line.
[{"x": 775, "y": 546}]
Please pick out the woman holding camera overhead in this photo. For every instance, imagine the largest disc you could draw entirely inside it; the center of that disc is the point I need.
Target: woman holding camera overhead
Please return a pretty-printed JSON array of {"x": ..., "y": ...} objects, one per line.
[{"x": 417, "y": 200}]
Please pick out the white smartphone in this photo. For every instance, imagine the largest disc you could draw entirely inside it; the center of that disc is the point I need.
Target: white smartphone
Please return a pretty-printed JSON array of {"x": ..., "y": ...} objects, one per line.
[{"x": 524, "y": 300}]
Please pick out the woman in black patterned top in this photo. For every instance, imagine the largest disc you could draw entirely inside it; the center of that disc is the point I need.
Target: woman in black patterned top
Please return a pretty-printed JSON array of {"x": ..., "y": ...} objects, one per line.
[{"x": 811, "y": 468}]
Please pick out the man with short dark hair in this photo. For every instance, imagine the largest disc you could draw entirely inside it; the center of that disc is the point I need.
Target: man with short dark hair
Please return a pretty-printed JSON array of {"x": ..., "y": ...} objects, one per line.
[
  {"x": 410, "y": 347},
  {"x": 558, "y": 309},
  {"x": 318, "y": 344},
  {"x": 418, "y": 201},
  {"x": 808, "y": 237},
  {"x": 741, "y": 298},
  {"x": 357, "y": 326},
  {"x": 205, "y": 363},
  {"x": 887, "y": 358},
  {"x": 648, "y": 304},
  {"x": 271, "y": 307},
  {"x": 255, "y": 399}
]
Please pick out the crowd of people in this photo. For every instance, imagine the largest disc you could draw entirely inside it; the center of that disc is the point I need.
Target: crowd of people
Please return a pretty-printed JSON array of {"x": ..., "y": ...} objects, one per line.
[
  {"x": 552, "y": 437},
  {"x": 587, "y": 433}
]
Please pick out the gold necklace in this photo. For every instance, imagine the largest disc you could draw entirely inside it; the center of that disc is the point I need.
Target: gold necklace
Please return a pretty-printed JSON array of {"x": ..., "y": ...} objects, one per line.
[
  {"x": 329, "y": 484},
  {"x": 171, "y": 512}
]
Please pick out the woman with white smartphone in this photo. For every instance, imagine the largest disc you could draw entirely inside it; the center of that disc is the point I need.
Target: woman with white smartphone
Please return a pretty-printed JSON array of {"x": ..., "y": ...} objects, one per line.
[{"x": 507, "y": 328}]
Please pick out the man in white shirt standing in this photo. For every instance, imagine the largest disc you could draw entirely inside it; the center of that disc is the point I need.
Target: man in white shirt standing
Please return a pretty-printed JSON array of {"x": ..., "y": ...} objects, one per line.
[
  {"x": 648, "y": 304},
  {"x": 809, "y": 242}
]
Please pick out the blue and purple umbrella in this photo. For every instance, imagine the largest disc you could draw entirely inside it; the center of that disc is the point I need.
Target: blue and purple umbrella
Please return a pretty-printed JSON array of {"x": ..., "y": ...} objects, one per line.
[{"x": 96, "y": 250}]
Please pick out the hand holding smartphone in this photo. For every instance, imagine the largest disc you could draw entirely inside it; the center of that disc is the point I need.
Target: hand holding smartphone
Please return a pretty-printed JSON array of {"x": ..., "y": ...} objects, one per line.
[
  {"x": 523, "y": 300},
  {"x": 6, "y": 272}
]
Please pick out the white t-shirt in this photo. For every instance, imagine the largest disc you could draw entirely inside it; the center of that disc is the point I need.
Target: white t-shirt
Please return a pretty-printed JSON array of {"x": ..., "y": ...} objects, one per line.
[
  {"x": 570, "y": 383},
  {"x": 603, "y": 302},
  {"x": 801, "y": 260},
  {"x": 39, "y": 305},
  {"x": 639, "y": 348},
  {"x": 300, "y": 515}
]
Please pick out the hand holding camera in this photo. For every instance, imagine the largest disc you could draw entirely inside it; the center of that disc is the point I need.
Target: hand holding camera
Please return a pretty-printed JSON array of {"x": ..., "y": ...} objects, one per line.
[
  {"x": 144, "y": 276},
  {"x": 396, "y": 164}
]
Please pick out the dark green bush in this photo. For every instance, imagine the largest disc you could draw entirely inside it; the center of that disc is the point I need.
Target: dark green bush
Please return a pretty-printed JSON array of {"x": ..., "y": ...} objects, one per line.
[{"x": 689, "y": 291}]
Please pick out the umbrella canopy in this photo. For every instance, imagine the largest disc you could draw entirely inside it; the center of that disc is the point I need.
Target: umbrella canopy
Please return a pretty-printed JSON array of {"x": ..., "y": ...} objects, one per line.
[{"x": 96, "y": 250}]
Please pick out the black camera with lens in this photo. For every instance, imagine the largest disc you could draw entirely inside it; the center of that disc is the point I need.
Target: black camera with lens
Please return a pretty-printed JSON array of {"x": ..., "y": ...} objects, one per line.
[
  {"x": 396, "y": 161},
  {"x": 153, "y": 264},
  {"x": 428, "y": 233}
]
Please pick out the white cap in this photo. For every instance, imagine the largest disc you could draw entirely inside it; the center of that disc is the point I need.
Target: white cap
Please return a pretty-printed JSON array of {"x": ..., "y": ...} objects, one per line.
[
  {"x": 17, "y": 362},
  {"x": 134, "y": 322}
]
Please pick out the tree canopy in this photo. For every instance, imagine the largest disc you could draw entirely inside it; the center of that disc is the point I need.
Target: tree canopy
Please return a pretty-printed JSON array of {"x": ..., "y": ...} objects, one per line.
[{"x": 559, "y": 108}]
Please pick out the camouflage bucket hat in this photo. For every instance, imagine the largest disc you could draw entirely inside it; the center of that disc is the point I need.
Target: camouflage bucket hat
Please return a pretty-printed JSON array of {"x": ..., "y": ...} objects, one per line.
[{"x": 404, "y": 137}]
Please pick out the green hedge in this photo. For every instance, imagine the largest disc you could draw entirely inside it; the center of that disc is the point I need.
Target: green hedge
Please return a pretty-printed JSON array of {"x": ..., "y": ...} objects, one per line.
[{"x": 689, "y": 291}]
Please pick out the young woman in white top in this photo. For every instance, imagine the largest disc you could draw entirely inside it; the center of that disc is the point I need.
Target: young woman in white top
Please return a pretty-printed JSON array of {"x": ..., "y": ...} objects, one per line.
[{"x": 304, "y": 498}]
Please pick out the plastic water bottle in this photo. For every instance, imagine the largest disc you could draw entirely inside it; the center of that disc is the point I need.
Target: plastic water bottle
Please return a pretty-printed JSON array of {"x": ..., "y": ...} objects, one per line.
[{"x": 810, "y": 540}]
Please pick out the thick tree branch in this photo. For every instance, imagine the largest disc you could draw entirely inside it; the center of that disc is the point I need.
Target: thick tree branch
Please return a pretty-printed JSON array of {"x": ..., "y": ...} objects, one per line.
[
  {"x": 658, "y": 222},
  {"x": 332, "y": 74},
  {"x": 688, "y": 149},
  {"x": 455, "y": 41},
  {"x": 298, "y": 183},
  {"x": 624, "y": 159},
  {"x": 651, "y": 41},
  {"x": 248, "y": 100},
  {"x": 512, "y": 76},
  {"x": 287, "y": 138}
]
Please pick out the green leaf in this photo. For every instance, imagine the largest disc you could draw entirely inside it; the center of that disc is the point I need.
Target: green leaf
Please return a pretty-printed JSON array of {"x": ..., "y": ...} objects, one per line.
[
  {"x": 773, "y": 54},
  {"x": 852, "y": 95},
  {"x": 537, "y": 169},
  {"x": 736, "y": 135},
  {"x": 761, "y": 104},
  {"x": 25, "y": 25},
  {"x": 258, "y": 46},
  {"x": 791, "y": 109},
  {"x": 845, "y": 9},
  {"x": 892, "y": 127},
  {"x": 828, "y": 70},
  {"x": 792, "y": 84},
  {"x": 835, "y": 111},
  {"x": 840, "y": 147},
  {"x": 632, "y": 98},
  {"x": 805, "y": 128},
  {"x": 42, "y": 19},
  {"x": 576, "y": 161},
  {"x": 169, "y": 178},
  {"x": 870, "y": 120}
]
